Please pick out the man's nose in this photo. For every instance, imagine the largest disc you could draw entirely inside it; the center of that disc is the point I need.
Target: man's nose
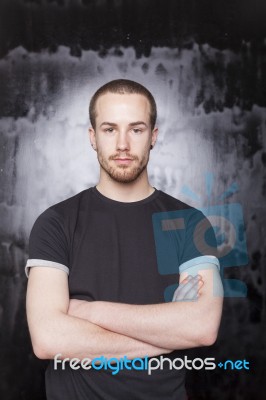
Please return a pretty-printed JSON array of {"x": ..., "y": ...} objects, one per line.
[{"x": 122, "y": 141}]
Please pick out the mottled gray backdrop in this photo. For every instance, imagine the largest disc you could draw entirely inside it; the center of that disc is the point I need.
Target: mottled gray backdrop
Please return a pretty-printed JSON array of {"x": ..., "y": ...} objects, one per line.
[{"x": 205, "y": 62}]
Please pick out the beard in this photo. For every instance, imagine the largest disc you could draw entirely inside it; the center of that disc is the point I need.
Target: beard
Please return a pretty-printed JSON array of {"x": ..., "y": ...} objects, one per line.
[{"x": 123, "y": 173}]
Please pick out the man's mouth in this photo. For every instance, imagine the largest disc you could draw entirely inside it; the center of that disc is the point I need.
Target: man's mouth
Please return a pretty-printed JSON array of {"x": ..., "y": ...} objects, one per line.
[{"x": 123, "y": 160}]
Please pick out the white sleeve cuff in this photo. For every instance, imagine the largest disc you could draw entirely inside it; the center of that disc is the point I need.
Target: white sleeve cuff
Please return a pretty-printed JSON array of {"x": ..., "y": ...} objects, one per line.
[
  {"x": 199, "y": 260},
  {"x": 44, "y": 263}
]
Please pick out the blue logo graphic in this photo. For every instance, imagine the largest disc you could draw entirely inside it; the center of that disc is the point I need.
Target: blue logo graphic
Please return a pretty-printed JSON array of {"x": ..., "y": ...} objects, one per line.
[{"x": 183, "y": 235}]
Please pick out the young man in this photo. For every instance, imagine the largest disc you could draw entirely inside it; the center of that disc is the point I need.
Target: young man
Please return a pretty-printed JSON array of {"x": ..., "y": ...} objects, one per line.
[{"x": 103, "y": 267}]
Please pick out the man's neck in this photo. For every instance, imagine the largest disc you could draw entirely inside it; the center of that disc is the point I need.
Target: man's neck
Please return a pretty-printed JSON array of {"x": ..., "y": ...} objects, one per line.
[{"x": 125, "y": 192}]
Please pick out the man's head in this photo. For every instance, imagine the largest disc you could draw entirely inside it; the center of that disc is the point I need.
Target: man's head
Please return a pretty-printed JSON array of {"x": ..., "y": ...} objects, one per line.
[
  {"x": 123, "y": 116},
  {"x": 122, "y": 86}
]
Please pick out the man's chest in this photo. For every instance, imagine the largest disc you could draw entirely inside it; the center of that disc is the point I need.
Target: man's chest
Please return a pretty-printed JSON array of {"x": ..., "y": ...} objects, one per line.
[{"x": 115, "y": 259}]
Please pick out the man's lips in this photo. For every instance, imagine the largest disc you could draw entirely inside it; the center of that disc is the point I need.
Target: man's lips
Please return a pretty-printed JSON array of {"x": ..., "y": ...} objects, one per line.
[{"x": 122, "y": 160}]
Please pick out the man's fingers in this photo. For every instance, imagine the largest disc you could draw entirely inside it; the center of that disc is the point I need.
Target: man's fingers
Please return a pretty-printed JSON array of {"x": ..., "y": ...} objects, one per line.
[
  {"x": 188, "y": 289},
  {"x": 191, "y": 278},
  {"x": 191, "y": 284}
]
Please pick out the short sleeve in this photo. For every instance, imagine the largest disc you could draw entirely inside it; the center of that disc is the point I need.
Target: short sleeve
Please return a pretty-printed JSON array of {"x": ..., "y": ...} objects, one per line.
[
  {"x": 200, "y": 246},
  {"x": 47, "y": 243}
]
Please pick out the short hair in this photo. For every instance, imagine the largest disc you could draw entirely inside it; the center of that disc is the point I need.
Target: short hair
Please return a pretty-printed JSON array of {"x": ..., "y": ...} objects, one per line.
[{"x": 123, "y": 86}]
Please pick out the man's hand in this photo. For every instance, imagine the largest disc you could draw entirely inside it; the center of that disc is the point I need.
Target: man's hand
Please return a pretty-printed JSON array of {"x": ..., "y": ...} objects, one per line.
[{"x": 189, "y": 289}]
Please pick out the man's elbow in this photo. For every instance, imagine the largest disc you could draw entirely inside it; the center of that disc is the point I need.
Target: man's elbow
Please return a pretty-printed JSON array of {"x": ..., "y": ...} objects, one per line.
[
  {"x": 47, "y": 338},
  {"x": 40, "y": 353},
  {"x": 209, "y": 331},
  {"x": 42, "y": 349},
  {"x": 210, "y": 325},
  {"x": 45, "y": 341},
  {"x": 209, "y": 338}
]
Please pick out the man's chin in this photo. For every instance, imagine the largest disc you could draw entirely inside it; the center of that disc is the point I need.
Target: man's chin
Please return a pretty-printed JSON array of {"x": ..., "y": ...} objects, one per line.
[
  {"x": 124, "y": 178},
  {"x": 124, "y": 175}
]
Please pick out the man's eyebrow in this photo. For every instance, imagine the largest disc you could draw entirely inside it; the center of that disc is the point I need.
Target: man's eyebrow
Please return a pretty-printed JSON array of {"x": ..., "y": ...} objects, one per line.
[
  {"x": 108, "y": 123},
  {"x": 138, "y": 123},
  {"x": 131, "y": 123}
]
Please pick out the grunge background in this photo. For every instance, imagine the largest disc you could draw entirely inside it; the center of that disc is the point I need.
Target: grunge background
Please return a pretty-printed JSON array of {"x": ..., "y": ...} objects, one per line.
[{"x": 205, "y": 62}]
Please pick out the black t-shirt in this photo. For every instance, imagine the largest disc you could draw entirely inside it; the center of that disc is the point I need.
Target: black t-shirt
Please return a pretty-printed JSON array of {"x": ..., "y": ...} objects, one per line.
[{"x": 120, "y": 252}]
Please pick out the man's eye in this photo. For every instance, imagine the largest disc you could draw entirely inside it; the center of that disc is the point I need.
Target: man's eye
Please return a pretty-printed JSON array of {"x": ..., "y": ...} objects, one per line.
[
  {"x": 136, "y": 130},
  {"x": 110, "y": 130}
]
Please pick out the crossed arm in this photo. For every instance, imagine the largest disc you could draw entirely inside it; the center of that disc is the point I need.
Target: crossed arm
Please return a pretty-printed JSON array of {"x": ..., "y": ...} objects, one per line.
[
  {"x": 53, "y": 331},
  {"x": 91, "y": 329},
  {"x": 176, "y": 325}
]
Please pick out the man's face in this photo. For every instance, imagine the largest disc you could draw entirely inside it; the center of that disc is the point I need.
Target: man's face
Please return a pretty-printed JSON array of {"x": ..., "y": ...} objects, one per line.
[{"x": 123, "y": 135}]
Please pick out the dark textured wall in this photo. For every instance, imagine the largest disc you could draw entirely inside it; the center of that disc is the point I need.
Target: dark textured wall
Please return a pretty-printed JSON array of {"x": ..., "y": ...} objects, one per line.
[{"x": 205, "y": 61}]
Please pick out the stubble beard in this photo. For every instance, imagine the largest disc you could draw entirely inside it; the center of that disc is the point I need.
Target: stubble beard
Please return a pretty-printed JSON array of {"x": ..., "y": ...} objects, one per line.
[{"x": 123, "y": 173}]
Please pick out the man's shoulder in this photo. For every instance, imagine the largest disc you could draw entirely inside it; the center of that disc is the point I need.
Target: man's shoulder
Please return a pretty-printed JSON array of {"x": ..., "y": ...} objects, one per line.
[
  {"x": 65, "y": 208},
  {"x": 172, "y": 207},
  {"x": 72, "y": 202},
  {"x": 174, "y": 203}
]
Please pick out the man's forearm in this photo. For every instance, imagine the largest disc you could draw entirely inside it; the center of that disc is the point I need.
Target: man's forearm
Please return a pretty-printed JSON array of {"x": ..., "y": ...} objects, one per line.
[
  {"x": 53, "y": 331},
  {"x": 175, "y": 325},
  {"x": 170, "y": 325},
  {"x": 167, "y": 325},
  {"x": 75, "y": 337}
]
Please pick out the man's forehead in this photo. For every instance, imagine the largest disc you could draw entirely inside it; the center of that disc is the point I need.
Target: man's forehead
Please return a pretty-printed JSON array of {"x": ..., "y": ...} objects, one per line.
[
  {"x": 110, "y": 97},
  {"x": 116, "y": 104}
]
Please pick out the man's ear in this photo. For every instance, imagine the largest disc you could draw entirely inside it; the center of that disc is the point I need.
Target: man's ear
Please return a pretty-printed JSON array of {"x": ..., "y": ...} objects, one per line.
[
  {"x": 154, "y": 136},
  {"x": 92, "y": 138}
]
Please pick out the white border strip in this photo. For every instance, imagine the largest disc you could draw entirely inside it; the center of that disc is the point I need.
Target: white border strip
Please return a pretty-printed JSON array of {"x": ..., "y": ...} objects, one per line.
[{"x": 44, "y": 263}]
